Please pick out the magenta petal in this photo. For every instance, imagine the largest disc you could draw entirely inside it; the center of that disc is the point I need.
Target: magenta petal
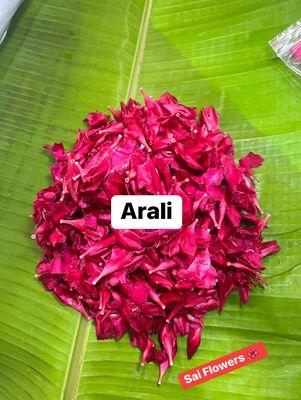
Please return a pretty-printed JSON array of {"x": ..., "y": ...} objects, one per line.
[
  {"x": 193, "y": 341},
  {"x": 169, "y": 342},
  {"x": 251, "y": 160}
]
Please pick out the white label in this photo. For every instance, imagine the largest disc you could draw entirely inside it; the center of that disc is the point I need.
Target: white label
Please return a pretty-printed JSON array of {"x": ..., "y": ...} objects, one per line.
[{"x": 146, "y": 212}]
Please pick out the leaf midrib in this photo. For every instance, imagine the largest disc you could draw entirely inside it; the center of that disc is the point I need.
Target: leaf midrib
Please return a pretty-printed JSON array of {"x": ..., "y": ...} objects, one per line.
[
  {"x": 76, "y": 357},
  {"x": 138, "y": 56}
]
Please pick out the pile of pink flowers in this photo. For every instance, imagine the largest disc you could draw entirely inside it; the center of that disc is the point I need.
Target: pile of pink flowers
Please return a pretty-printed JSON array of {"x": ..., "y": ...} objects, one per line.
[{"x": 151, "y": 282}]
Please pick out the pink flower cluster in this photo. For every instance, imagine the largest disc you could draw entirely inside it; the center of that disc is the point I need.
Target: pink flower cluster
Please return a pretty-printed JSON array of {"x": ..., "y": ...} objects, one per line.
[{"x": 151, "y": 282}]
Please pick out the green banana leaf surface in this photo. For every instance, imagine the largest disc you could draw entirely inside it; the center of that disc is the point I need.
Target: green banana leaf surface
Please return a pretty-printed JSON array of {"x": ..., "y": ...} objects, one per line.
[{"x": 62, "y": 59}]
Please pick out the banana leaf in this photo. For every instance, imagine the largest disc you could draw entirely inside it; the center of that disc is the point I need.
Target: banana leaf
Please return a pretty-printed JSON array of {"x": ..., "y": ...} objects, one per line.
[{"x": 62, "y": 59}]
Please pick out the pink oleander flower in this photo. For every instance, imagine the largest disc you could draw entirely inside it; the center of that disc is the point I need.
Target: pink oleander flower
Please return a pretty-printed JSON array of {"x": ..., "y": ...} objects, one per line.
[
  {"x": 296, "y": 51},
  {"x": 151, "y": 282}
]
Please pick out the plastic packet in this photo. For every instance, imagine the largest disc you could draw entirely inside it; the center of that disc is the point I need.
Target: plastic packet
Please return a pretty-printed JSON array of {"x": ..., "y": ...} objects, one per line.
[
  {"x": 287, "y": 46},
  {"x": 7, "y": 11}
]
